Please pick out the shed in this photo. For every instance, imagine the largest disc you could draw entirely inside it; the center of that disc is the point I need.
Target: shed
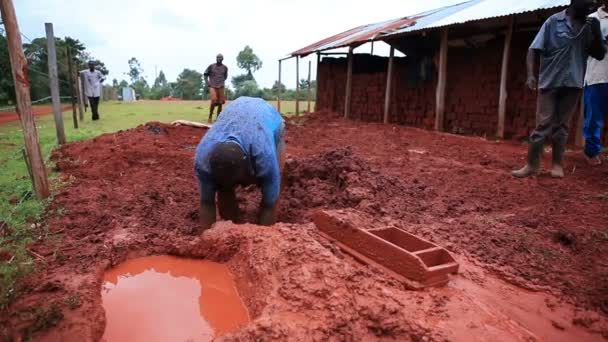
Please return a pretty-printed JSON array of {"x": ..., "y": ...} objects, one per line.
[{"x": 464, "y": 69}]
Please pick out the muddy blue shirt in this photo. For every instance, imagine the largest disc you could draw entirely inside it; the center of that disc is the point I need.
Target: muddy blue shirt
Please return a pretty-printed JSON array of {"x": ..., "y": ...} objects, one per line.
[
  {"x": 258, "y": 129},
  {"x": 563, "y": 52}
]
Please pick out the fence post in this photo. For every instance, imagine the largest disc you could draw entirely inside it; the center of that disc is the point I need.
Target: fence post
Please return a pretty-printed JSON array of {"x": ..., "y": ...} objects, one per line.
[
  {"x": 54, "y": 82},
  {"x": 72, "y": 87},
  {"x": 24, "y": 102},
  {"x": 279, "y": 88}
]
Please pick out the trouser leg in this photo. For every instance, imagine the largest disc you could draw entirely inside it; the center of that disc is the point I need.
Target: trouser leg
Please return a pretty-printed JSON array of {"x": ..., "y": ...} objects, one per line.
[
  {"x": 94, "y": 101},
  {"x": 568, "y": 101},
  {"x": 596, "y": 106}
]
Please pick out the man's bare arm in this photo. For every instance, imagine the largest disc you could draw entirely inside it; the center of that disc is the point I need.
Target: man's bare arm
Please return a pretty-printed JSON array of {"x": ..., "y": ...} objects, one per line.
[
  {"x": 531, "y": 59},
  {"x": 597, "y": 49},
  {"x": 207, "y": 214}
]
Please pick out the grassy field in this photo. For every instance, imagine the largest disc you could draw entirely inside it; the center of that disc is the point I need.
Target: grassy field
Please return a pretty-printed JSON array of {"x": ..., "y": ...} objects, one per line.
[{"x": 18, "y": 207}]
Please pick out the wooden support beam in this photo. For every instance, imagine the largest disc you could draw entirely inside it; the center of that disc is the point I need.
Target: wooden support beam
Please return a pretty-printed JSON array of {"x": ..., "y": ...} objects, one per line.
[
  {"x": 441, "y": 82},
  {"x": 79, "y": 93},
  {"x": 279, "y": 89},
  {"x": 372, "y": 52},
  {"x": 54, "y": 82},
  {"x": 297, "y": 85},
  {"x": 309, "y": 89},
  {"x": 389, "y": 81},
  {"x": 579, "y": 140},
  {"x": 349, "y": 83},
  {"x": 317, "y": 78},
  {"x": 24, "y": 101},
  {"x": 73, "y": 87},
  {"x": 504, "y": 77}
]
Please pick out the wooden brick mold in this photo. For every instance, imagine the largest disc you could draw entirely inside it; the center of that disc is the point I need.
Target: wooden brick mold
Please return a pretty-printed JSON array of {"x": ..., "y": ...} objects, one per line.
[{"x": 391, "y": 248}]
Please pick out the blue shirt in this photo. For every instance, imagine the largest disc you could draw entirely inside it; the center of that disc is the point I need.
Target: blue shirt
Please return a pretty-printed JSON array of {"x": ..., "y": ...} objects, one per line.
[
  {"x": 563, "y": 52},
  {"x": 258, "y": 129}
]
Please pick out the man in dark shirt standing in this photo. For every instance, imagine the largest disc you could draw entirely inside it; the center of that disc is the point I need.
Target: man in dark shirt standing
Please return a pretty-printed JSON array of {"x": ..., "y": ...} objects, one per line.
[
  {"x": 215, "y": 77},
  {"x": 563, "y": 44}
]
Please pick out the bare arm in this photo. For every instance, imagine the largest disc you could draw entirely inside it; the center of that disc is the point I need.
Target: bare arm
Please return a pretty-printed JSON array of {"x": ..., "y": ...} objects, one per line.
[
  {"x": 207, "y": 214},
  {"x": 532, "y": 82},
  {"x": 597, "y": 49}
]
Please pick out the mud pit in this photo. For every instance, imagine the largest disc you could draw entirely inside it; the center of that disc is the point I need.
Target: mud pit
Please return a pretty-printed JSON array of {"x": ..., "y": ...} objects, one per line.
[{"x": 530, "y": 251}]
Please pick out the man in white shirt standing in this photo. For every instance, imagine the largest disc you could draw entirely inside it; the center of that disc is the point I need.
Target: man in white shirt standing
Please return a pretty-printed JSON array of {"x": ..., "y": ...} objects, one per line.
[
  {"x": 596, "y": 95},
  {"x": 91, "y": 83}
]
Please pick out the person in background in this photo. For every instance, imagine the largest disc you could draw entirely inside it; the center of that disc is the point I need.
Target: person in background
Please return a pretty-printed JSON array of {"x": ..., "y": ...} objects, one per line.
[
  {"x": 92, "y": 80},
  {"x": 215, "y": 78},
  {"x": 596, "y": 95},
  {"x": 564, "y": 43},
  {"x": 245, "y": 146}
]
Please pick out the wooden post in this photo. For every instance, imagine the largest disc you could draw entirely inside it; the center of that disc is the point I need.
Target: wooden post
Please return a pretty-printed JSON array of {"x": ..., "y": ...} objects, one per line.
[
  {"x": 504, "y": 76},
  {"x": 54, "y": 82},
  {"x": 389, "y": 81},
  {"x": 24, "y": 102},
  {"x": 308, "y": 95},
  {"x": 579, "y": 140},
  {"x": 372, "y": 52},
  {"x": 73, "y": 87},
  {"x": 317, "y": 79},
  {"x": 441, "y": 82},
  {"x": 80, "y": 93},
  {"x": 349, "y": 83},
  {"x": 279, "y": 89},
  {"x": 297, "y": 85}
]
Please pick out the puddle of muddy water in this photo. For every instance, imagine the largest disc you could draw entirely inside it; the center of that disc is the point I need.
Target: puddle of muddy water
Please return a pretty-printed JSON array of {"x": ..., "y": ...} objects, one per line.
[{"x": 165, "y": 298}]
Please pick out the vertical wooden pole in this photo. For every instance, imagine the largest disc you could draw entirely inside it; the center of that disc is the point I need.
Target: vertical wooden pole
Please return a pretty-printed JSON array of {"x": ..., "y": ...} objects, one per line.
[
  {"x": 441, "y": 83},
  {"x": 297, "y": 85},
  {"x": 389, "y": 81},
  {"x": 24, "y": 102},
  {"x": 349, "y": 83},
  {"x": 372, "y": 52},
  {"x": 279, "y": 89},
  {"x": 73, "y": 87},
  {"x": 504, "y": 76},
  {"x": 80, "y": 93},
  {"x": 579, "y": 140},
  {"x": 54, "y": 82},
  {"x": 317, "y": 79},
  {"x": 308, "y": 95}
]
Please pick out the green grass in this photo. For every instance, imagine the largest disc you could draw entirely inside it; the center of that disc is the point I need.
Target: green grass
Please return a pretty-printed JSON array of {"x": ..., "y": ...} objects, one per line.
[{"x": 18, "y": 207}]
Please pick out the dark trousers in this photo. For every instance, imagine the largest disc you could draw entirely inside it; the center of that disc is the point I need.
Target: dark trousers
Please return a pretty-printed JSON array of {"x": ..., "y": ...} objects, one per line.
[
  {"x": 94, "y": 102},
  {"x": 555, "y": 110}
]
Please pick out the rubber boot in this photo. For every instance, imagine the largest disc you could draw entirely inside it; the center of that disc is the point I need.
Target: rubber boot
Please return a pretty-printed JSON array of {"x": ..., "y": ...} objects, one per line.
[
  {"x": 532, "y": 167},
  {"x": 558, "y": 155}
]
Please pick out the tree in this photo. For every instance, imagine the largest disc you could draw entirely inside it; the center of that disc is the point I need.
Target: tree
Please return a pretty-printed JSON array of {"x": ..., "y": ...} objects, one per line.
[
  {"x": 249, "y": 88},
  {"x": 135, "y": 70},
  {"x": 115, "y": 83},
  {"x": 238, "y": 80},
  {"x": 123, "y": 84},
  {"x": 161, "y": 80},
  {"x": 249, "y": 61},
  {"x": 189, "y": 84},
  {"x": 7, "y": 90}
]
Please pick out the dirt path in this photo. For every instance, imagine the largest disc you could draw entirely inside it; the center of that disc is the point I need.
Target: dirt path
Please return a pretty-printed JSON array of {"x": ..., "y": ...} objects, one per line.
[
  {"x": 529, "y": 249},
  {"x": 7, "y": 117}
]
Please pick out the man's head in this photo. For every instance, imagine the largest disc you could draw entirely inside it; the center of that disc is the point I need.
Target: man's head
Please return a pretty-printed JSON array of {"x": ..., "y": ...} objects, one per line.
[
  {"x": 91, "y": 65},
  {"x": 219, "y": 58},
  {"x": 229, "y": 165},
  {"x": 580, "y": 9}
]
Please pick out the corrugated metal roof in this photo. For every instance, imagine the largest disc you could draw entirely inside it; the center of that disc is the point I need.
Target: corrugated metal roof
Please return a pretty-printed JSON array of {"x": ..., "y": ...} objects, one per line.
[{"x": 461, "y": 13}]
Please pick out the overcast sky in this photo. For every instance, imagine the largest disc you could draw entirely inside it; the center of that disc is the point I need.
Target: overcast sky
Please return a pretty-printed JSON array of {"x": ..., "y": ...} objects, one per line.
[{"x": 177, "y": 34}]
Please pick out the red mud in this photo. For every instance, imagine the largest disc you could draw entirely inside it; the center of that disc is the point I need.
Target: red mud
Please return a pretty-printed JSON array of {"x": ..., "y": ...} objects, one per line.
[
  {"x": 6, "y": 117},
  {"x": 133, "y": 194}
]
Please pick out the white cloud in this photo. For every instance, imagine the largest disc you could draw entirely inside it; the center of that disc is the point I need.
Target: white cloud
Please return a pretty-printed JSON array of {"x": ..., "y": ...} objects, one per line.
[{"x": 178, "y": 34}]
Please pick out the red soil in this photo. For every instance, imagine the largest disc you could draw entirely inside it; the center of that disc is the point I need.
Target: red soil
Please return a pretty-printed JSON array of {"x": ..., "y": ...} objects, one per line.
[
  {"x": 6, "y": 117},
  {"x": 133, "y": 193}
]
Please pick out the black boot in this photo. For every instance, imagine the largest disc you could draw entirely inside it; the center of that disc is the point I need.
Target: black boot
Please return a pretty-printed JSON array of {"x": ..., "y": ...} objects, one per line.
[{"x": 532, "y": 167}]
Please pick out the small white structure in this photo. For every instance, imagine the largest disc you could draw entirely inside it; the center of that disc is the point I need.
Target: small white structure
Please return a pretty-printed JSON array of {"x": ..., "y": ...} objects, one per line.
[{"x": 128, "y": 94}]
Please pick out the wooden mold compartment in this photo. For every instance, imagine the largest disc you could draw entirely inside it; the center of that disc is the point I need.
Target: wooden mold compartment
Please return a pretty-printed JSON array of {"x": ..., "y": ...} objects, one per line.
[{"x": 394, "y": 249}]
